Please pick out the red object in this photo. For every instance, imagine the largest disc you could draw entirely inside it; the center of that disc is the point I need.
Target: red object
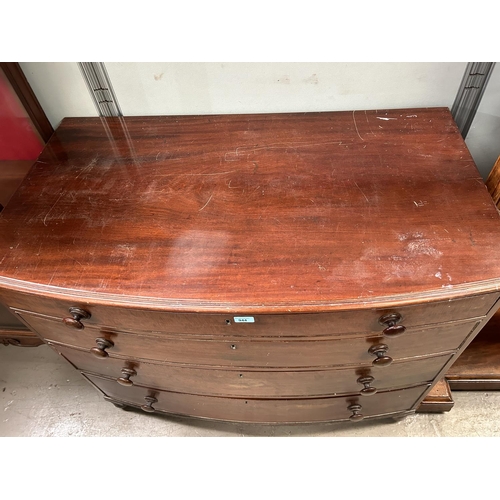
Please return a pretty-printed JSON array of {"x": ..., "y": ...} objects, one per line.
[{"x": 18, "y": 139}]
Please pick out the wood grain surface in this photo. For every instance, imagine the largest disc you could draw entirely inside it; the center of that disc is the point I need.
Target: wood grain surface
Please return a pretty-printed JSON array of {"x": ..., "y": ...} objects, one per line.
[{"x": 283, "y": 213}]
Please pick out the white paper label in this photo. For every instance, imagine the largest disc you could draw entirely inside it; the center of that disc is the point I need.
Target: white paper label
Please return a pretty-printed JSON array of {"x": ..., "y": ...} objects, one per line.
[{"x": 244, "y": 319}]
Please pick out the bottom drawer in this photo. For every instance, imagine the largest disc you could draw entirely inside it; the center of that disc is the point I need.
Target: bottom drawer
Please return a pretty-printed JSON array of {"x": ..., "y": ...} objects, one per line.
[{"x": 261, "y": 410}]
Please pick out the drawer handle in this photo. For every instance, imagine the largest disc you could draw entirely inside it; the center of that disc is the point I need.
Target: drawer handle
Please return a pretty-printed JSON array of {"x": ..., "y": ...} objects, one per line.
[
  {"x": 102, "y": 345},
  {"x": 390, "y": 321},
  {"x": 368, "y": 389},
  {"x": 150, "y": 400},
  {"x": 380, "y": 350},
  {"x": 77, "y": 314},
  {"x": 125, "y": 378},
  {"x": 356, "y": 413}
]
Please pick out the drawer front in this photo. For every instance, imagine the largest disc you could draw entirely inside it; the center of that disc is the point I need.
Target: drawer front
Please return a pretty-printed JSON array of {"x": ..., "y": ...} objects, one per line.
[
  {"x": 265, "y": 353},
  {"x": 262, "y": 410},
  {"x": 275, "y": 325},
  {"x": 248, "y": 383}
]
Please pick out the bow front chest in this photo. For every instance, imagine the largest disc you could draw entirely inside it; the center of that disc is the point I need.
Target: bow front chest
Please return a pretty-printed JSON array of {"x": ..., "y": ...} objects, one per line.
[{"x": 256, "y": 268}]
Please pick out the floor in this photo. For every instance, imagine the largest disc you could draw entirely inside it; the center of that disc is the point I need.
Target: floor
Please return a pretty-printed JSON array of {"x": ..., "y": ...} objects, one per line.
[{"x": 41, "y": 395}]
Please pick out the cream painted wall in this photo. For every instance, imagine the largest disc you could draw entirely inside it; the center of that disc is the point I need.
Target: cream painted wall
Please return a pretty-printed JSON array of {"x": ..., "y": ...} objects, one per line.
[{"x": 210, "y": 88}]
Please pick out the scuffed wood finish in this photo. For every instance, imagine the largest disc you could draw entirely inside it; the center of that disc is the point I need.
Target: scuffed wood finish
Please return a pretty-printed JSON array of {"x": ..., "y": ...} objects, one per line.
[
  {"x": 286, "y": 213},
  {"x": 358, "y": 250}
]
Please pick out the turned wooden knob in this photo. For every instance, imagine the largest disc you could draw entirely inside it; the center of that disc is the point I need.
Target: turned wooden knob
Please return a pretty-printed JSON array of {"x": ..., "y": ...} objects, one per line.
[
  {"x": 356, "y": 413},
  {"x": 77, "y": 314},
  {"x": 125, "y": 378},
  {"x": 150, "y": 400},
  {"x": 393, "y": 329},
  {"x": 102, "y": 345},
  {"x": 380, "y": 351},
  {"x": 368, "y": 390}
]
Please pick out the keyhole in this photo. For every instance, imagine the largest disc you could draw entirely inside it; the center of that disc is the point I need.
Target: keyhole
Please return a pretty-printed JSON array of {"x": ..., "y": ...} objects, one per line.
[
  {"x": 228, "y": 321},
  {"x": 233, "y": 346}
]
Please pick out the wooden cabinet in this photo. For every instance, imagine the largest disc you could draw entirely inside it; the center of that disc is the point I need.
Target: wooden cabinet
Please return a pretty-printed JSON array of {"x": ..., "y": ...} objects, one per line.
[{"x": 256, "y": 268}]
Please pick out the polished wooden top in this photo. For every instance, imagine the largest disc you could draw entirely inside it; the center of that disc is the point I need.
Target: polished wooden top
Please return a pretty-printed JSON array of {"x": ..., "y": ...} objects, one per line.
[{"x": 274, "y": 212}]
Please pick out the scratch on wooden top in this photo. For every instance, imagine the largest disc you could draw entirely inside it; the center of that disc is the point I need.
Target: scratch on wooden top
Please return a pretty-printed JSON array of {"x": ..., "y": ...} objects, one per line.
[{"x": 356, "y": 126}]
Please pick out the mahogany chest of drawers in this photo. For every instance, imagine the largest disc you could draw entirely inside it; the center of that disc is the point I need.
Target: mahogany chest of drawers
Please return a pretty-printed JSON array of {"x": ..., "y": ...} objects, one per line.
[{"x": 256, "y": 268}]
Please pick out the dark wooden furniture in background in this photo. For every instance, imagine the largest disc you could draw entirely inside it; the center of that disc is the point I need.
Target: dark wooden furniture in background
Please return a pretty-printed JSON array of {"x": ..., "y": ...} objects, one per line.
[
  {"x": 12, "y": 173},
  {"x": 260, "y": 268},
  {"x": 478, "y": 368}
]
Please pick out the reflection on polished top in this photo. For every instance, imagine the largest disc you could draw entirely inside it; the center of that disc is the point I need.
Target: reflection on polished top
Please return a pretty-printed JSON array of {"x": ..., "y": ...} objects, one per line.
[{"x": 254, "y": 212}]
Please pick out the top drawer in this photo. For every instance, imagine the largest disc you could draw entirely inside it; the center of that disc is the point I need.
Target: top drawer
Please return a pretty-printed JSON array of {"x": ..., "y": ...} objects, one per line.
[{"x": 263, "y": 325}]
